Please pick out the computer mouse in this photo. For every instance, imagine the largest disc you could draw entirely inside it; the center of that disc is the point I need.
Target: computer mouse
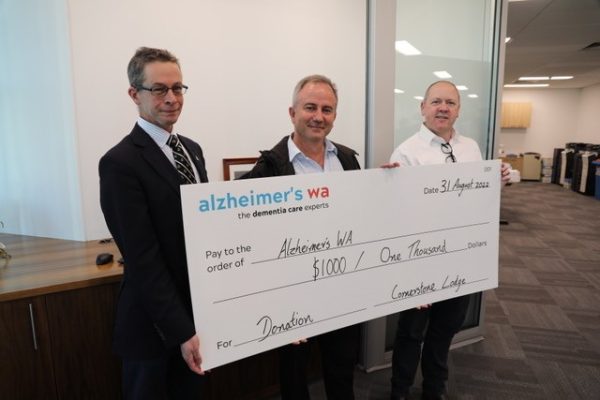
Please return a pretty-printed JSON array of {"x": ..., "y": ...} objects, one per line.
[{"x": 104, "y": 258}]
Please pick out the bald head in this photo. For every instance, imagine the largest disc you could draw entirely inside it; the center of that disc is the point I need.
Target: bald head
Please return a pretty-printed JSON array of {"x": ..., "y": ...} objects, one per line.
[
  {"x": 440, "y": 108},
  {"x": 443, "y": 83}
]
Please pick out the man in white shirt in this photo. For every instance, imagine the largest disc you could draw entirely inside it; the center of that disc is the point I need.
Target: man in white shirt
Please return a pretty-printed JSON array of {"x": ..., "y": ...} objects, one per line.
[
  {"x": 437, "y": 141},
  {"x": 431, "y": 325}
]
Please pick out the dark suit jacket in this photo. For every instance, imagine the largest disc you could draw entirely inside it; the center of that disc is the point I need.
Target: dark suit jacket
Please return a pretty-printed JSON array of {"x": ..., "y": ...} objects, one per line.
[{"x": 141, "y": 202}]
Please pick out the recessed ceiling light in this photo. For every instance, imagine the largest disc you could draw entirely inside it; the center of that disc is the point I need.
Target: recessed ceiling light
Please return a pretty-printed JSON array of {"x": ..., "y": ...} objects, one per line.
[
  {"x": 403, "y": 47},
  {"x": 526, "y": 85},
  {"x": 419, "y": 97},
  {"x": 561, "y": 78},
  {"x": 398, "y": 91},
  {"x": 534, "y": 78},
  {"x": 442, "y": 74},
  {"x": 462, "y": 87},
  {"x": 507, "y": 39},
  {"x": 473, "y": 96}
]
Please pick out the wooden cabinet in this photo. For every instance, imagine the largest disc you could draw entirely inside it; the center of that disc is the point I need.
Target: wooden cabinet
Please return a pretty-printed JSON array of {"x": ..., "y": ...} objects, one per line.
[
  {"x": 80, "y": 324},
  {"x": 57, "y": 346},
  {"x": 515, "y": 115},
  {"x": 252, "y": 378},
  {"x": 26, "y": 370}
]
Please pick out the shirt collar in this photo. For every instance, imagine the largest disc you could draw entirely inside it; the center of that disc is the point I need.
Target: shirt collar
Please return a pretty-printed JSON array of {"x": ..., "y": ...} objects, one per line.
[
  {"x": 293, "y": 150},
  {"x": 158, "y": 134},
  {"x": 428, "y": 136}
]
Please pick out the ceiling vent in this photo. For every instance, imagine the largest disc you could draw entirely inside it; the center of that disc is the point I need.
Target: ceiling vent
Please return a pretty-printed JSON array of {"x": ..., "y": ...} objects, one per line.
[{"x": 593, "y": 46}]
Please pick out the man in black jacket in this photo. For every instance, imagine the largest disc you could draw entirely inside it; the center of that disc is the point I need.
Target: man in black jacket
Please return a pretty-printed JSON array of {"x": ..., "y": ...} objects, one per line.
[
  {"x": 307, "y": 150},
  {"x": 140, "y": 178}
]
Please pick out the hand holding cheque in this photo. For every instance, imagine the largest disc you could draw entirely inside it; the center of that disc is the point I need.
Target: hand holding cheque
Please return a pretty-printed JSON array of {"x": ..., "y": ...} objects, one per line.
[{"x": 293, "y": 257}]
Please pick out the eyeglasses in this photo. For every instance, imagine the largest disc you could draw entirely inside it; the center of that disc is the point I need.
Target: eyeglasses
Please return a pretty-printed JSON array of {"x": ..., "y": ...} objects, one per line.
[
  {"x": 162, "y": 90},
  {"x": 447, "y": 149}
]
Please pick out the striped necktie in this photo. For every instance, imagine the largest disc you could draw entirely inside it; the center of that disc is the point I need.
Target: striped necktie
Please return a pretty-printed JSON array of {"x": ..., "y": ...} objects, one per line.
[{"x": 182, "y": 162}]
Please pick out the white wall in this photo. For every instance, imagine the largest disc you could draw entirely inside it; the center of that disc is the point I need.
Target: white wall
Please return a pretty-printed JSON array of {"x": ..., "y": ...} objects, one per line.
[
  {"x": 588, "y": 129},
  {"x": 555, "y": 120},
  {"x": 240, "y": 58}
]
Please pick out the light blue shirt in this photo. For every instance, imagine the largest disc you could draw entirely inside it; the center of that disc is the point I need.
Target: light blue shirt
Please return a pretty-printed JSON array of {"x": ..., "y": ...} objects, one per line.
[
  {"x": 160, "y": 137},
  {"x": 305, "y": 165}
]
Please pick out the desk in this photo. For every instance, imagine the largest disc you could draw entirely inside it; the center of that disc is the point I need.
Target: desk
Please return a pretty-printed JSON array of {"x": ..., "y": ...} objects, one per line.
[
  {"x": 56, "y": 313},
  {"x": 42, "y": 266}
]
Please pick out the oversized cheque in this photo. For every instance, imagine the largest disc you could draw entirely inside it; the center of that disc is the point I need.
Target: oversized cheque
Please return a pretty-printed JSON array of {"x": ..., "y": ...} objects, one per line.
[{"x": 276, "y": 259}]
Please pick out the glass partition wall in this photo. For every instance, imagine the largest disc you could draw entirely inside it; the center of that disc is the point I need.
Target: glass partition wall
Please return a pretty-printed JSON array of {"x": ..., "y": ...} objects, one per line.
[
  {"x": 452, "y": 41},
  {"x": 460, "y": 41}
]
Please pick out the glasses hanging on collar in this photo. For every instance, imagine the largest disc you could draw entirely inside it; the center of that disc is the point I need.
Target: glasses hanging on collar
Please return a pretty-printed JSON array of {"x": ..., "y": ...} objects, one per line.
[{"x": 447, "y": 149}]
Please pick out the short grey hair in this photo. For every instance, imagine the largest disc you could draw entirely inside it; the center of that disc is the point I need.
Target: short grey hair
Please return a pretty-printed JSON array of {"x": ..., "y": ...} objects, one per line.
[
  {"x": 313, "y": 79},
  {"x": 142, "y": 57}
]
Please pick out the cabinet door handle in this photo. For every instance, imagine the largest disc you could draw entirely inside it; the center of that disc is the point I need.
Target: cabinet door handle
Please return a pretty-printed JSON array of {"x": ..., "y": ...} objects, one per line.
[{"x": 33, "y": 333}]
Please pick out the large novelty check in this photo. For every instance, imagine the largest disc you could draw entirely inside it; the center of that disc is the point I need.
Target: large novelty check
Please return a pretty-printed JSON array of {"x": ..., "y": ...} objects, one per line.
[{"x": 277, "y": 259}]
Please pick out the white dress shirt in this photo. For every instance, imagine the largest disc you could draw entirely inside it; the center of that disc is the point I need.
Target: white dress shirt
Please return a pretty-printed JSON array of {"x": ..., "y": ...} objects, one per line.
[{"x": 425, "y": 148}]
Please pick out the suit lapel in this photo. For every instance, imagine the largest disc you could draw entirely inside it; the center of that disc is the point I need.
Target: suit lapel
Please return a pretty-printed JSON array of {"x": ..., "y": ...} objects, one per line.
[{"x": 155, "y": 157}]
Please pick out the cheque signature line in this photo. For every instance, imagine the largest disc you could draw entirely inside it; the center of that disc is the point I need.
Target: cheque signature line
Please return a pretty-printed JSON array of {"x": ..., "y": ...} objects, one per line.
[
  {"x": 303, "y": 326},
  {"x": 372, "y": 241},
  {"x": 261, "y": 291},
  {"x": 332, "y": 276},
  {"x": 423, "y": 294}
]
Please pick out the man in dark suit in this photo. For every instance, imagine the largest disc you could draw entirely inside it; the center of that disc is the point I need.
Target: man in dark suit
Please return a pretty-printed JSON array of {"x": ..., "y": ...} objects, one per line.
[{"x": 140, "y": 177}]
